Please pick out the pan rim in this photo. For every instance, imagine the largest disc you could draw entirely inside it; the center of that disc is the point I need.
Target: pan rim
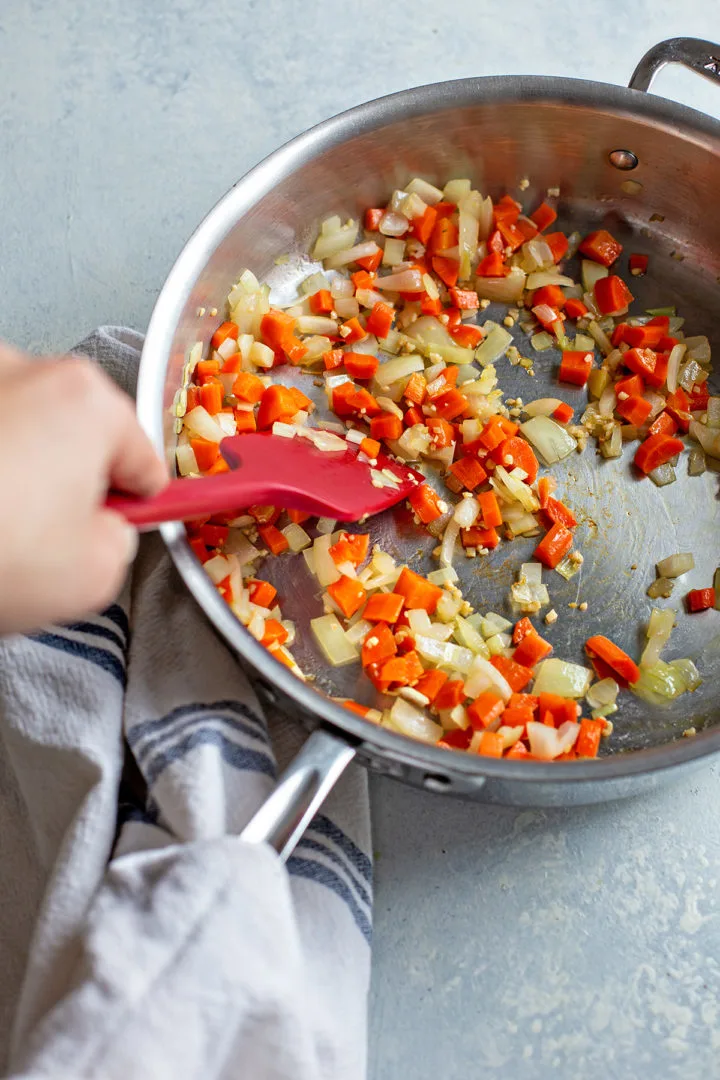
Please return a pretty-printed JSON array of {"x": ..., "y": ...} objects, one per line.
[{"x": 685, "y": 122}]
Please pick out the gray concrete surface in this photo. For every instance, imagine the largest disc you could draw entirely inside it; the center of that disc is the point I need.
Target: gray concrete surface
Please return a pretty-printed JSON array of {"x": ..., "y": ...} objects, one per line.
[{"x": 522, "y": 945}]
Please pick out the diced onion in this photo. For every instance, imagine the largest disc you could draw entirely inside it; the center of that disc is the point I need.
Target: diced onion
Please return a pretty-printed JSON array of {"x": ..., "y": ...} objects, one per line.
[
  {"x": 393, "y": 224},
  {"x": 412, "y": 722},
  {"x": 540, "y": 278},
  {"x": 427, "y": 191},
  {"x": 402, "y": 281},
  {"x": 331, "y": 638},
  {"x": 493, "y": 346},
  {"x": 503, "y": 290},
  {"x": 602, "y": 693},
  {"x": 481, "y": 672},
  {"x": 445, "y": 653},
  {"x": 447, "y": 548},
  {"x": 296, "y": 537},
  {"x": 592, "y": 272},
  {"x": 334, "y": 237},
  {"x": 676, "y": 355},
  {"x": 466, "y": 512},
  {"x": 551, "y": 440},
  {"x": 199, "y": 422},
  {"x": 709, "y": 438},
  {"x": 186, "y": 460},
  {"x": 542, "y": 341},
  {"x": 560, "y": 677},
  {"x": 675, "y": 565},
  {"x": 352, "y": 254}
]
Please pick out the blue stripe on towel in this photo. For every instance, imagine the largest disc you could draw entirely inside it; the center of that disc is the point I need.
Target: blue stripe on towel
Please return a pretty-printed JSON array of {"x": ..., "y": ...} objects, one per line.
[
  {"x": 163, "y": 723},
  {"x": 240, "y": 757},
  {"x": 151, "y": 747},
  {"x": 322, "y": 875},
  {"x": 307, "y": 843},
  {"x": 117, "y": 615},
  {"x": 101, "y": 658},
  {"x": 98, "y": 630},
  {"x": 323, "y": 826}
]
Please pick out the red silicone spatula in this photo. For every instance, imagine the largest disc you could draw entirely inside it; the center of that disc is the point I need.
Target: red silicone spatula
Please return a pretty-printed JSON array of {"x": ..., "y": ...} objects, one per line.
[{"x": 269, "y": 470}]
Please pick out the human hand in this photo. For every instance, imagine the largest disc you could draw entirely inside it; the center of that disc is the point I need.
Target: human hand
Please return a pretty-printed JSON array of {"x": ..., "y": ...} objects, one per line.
[{"x": 67, "y": 435}]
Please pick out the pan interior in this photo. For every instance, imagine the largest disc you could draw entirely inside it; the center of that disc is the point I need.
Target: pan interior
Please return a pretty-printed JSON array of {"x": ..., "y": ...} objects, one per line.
[{"x": 626, "y": 524}]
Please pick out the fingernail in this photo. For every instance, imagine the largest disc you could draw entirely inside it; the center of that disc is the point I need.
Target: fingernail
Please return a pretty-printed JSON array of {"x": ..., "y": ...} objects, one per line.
[{"x": 133, "y": 539}]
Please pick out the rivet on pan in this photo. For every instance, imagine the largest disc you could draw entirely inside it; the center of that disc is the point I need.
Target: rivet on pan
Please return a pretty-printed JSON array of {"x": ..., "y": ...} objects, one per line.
[
  {"x": 623, "y": 159},
  {"x": 435, "y": 782}
]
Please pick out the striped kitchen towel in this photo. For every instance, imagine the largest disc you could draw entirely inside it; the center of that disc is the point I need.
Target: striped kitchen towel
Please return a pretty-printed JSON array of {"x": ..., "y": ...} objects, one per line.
[{"x": 140, "y": 937}]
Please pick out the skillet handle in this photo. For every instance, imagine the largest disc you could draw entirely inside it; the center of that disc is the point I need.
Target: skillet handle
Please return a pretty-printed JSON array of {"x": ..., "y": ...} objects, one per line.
[
  {"x": 698, "y": 55},
  {"x": 300, "y": 791}
]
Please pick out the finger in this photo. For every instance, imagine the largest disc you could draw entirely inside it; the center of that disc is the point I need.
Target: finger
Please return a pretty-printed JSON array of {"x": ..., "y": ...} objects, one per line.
[
  {"x": 110, "y": 545},
  {"x": 135, "y": 466},
  {"x": 12, "y": 359}
]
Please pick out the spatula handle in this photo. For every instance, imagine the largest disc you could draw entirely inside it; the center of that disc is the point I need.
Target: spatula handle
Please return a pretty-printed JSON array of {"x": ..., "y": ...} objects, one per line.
[{"x": 181, "y": 500}]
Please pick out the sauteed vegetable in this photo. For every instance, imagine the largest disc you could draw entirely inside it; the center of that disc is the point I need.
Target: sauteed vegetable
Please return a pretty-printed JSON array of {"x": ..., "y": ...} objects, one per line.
[{"x": 394, "y": 327}]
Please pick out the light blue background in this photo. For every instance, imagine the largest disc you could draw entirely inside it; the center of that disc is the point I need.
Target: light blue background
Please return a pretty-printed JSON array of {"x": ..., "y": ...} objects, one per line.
[{"x": 513, "y": 944}]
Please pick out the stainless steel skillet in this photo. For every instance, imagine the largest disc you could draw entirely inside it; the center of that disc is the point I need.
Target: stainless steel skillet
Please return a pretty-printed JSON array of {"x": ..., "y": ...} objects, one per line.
[{"x": 647, "y": 168}]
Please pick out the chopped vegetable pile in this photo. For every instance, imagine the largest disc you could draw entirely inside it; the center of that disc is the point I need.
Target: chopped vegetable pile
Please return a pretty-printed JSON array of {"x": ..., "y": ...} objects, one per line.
[{"x": 390, "y": 328}]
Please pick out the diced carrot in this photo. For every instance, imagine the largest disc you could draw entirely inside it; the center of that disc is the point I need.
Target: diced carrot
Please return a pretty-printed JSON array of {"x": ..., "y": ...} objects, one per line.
[
  {"x": 657, "y": 450},
  {"x": 638, "y": 264},
  {"x": 506, "y": 209},
  {"x": 261, "y": 592},
  {"x": 361, "y": 365},
  {"x": 490, "y": 509},
  {"x": 552, "y": 295},
  {"x": 644, "y": 362},
  {"x": 629, "y": 386},
  {"x": 351, "y": 547},
  {"x": 277, "y": 403},
  {"x": 516, "y": 453},
  {"x": 448, "y": 270},
  {"x": 465, "y": 299},
  {"x": 516, "y": 675},
  {"x": 224, "y": 331},
  {"x": 351, "y": 400},
  {"x": 574, "y": 308},
  {"x": 575, "y": 367},
  {"x": 302, "y": 401},
  {"x": 613, "y": 656},
  {"x": 297, "y": 516},
  {"x": 278, "y": 331},
  {"x": 444, "y": 236},
  {"x": 393, "y": 672},
  {"x": 370, "y": 447},
  {"x": 348, "y": 593},
  {"x": 485, "y": 709},
  {"x": 430, "y": 305},
  {"x": 467, "y": 336},
  {"x": 244, "y": 421},
  {"x": 379, "y": 645},
  {"x": 321, "y": 302},
  {"x": 413, "y": 416},
  {"x": 380, "y": 319},
  {"x": 612, "y": 295},
  {"x": 386, "y": 426},
  {"x": 418, "y": 592},
  {"x": 699, "y": 397},
  {"x": 700, "y": 600},
  {"x": 373, "y": 217},
  {"x": 219, "y": 466},
  {"x": 431, "y": 683},
  {"x": 588, "y": 740},
  {"x": 558, "y": 244},
  {"x": 215, "y": 536},
  {"x": 518, "y": 751},
  {"x": 423, "y": 226},
  {"x": 371, "y": 262},
  {"x": 206, "y": 370},
  {"x": 548, "y": 317},
  {"x": 442, "y": 433},
  {"x": 415, "y": 669},
  {"x": 513, "y": 237},
  {"x": 559, "y": 708},
  {"x": 469, "y": 472},
  {"x": 457, "y": 739},
  {"x": 518, "y": 715},
  {"x": 643, "y": 337},
  {"x": 634, "y": 409},
  {"x": 450, "y": 404},
  {"x": 275, "y": 633},
  {"x": 333, "y": 358},
  {"x": 531, "y": 650},
  {"x": 425, "y": 503},
  {"x": 452, "y": 693},
  {"x": 211, "y": 397},
  {"x": 383, "y": 607},
  {"x": 493, "y": 434},
  {"x": 415, "y": 388},
  {"x": 663, "y": 425},
  {"x": 564, "y": 413},
  {"x": 361, "y": 279},
  {"x": 273, "y": 538},
  {"x": 554, "y": 546},
  {"x": 493, "y": 265},
  {"x": 522, "y": 628},
  {"x": 193, "y": 398},
  {"x": 678, "y": 405},
  {"x": 546, "y": 485},
  {"x": 601, "y": 246},
  {"x": 452, "y": 314},
  {"x": 248, "y": 387},
  {"x": 476, "y": 537},
  {"x": 264, "y": 515},
  {"x": 543, "y": 216},
  {"x": 206, "y": 453},
  {"x": 558, "y": 513},
  {"x": 523, "y": 701},
  {"x": 490, "y": 744},
  {"x": 352, "y": 331}
]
